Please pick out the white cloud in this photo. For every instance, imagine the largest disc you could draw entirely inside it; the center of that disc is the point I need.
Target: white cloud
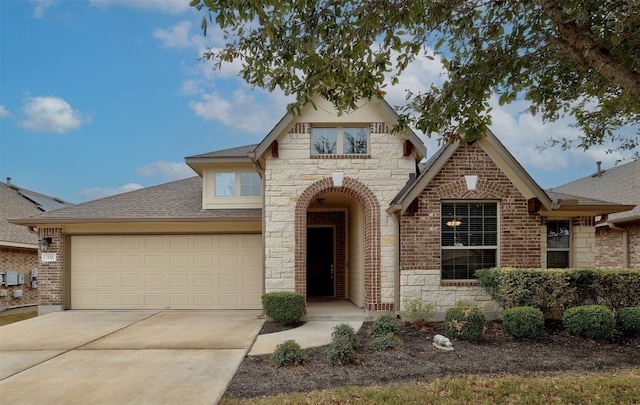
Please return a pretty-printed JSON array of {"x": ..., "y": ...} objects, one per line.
[
  {"x": 50, "y": 114},
  {"x": 41, "y": 6},
  {"x": 164, "y": 6},
  {"x": 242, "y": 111},
  {"x": 101, "y": 192},
  {"x": 180, "y": 36},
  {"x": 4, "y": 112},
  {"x": 169, "y": 170}
]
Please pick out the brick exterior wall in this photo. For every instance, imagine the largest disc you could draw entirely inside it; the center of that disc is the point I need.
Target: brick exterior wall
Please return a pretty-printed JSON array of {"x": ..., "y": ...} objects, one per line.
[
  {"x": 609, "y": 249},
  {"x": 519, "y": 238},
  {"x": 51, "y": 282},
  {"x": 21, "y": 260}
]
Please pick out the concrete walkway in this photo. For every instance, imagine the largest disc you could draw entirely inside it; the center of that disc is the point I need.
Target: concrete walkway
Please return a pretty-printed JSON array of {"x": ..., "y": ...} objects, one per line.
[{"x": 124, "y": 357}]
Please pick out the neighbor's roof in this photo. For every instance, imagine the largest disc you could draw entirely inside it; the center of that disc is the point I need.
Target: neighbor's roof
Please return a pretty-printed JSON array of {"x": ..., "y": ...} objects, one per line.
[
  {"x": 620, "y": 184},
  {"x": 19, "y": 202},
  {"x": 178, "y": 201}
]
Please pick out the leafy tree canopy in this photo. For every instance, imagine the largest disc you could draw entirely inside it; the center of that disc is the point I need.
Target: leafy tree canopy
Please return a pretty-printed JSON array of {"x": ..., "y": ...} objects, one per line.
[{"x": 564, "y": 57}]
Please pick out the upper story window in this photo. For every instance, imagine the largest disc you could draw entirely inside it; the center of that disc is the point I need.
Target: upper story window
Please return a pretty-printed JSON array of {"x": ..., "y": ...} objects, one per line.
[
  {"x": 242, "y": 184},
  {"x": 558, "y": 233},
  {"x": 469, "y": 238},
  {"x": 340, "y": 140}
]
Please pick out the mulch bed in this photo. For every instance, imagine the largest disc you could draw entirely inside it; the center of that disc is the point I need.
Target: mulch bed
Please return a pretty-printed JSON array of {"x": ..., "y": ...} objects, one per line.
[{"x": 416, "y": 359}]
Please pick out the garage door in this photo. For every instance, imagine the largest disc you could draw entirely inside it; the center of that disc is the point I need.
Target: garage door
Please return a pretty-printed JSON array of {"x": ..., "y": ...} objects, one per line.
[{"x": 166, "y": 272}]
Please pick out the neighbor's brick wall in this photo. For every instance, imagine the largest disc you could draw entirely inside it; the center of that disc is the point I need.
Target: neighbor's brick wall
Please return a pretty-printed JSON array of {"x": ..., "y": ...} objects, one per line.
[
  {"x": 51, "y": 274},
  {"x": 21, "y": 260},
  {"x": 520, "y": 238},
  {"x": 609, "y": 247}
]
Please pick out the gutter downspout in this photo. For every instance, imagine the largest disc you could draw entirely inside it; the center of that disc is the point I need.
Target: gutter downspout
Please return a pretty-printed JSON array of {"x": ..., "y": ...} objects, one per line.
[
  {"x": 261, "y": 172},
  {"x": 396, "y": 263},
  {"x": 625, "y": 243}
]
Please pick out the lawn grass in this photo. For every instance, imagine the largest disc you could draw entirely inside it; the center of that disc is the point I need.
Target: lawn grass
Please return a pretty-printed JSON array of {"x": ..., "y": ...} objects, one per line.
[
  {"x": 619, "y": 387},
  {"x": 7, "y": 319}
]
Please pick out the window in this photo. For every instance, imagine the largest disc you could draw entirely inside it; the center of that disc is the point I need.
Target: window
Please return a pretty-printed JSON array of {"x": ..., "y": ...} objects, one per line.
[
  {"x": 558, "y": 244},
  {"x": 339, "y": 140},
  {"x": 469, "y": 238},
  {"x": 247, "y": 183}
]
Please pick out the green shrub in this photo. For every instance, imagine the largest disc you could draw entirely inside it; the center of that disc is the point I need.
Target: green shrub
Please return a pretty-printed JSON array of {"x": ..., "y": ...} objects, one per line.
[
  {"x": 384, "y": 325},
  {"x": 463, "y": 304},
  {"x": 417, "y": 312},
  {"x": 561, "y": 288},
  {"x": 341, "y": 351},
  {"x": 284, "y": 307},
  {"x": 523, "y": 322},
  {"x": 288, "y": 353},
  {"x": 628, "y": 320},
  {"x": 385, "y": 342},
  {"x": 465, "y": 323},
  {"x": 589, "y": 321},
  {"x": 347, "y": 332}
]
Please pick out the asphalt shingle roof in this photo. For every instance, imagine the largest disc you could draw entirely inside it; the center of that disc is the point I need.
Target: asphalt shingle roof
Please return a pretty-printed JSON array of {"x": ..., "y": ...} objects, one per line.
[
  {"x": 240, "y": 151},
  {"x": 175, "y": 201},
  {"x": 619, "y": 184}
]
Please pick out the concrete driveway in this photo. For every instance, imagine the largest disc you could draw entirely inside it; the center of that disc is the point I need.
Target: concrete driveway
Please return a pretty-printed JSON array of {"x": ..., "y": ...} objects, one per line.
[{"x": 124, "y": 357}]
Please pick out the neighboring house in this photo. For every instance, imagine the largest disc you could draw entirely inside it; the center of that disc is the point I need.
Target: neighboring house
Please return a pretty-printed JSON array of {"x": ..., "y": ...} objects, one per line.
[
  {"x": 19, "y": 245},
  {"x": 331, "y": 206},
  {"x": 618, "y": 234}
]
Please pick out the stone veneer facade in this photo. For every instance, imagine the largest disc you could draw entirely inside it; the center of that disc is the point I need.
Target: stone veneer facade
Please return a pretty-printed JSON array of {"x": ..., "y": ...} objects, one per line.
[
  {"x": 295, "y": 179},
  {"x": 420, "y": 249}
]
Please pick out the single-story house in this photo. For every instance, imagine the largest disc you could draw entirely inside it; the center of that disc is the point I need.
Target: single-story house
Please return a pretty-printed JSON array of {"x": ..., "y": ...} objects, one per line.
[
  {"x": 617, "y": 234},
  {"x": 332, "y": 206},
  {"x": 19, "y": 258}
]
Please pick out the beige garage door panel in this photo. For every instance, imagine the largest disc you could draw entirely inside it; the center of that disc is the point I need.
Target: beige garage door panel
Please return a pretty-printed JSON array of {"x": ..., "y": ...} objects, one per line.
[{"x": 159, "y": 272}]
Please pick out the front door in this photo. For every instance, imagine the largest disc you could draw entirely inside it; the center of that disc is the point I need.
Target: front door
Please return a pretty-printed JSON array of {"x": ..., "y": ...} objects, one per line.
[{"x": 320, "y": 262}]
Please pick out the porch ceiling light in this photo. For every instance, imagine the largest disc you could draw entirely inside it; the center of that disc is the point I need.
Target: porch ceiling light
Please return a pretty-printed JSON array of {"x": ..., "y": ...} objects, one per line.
[
  {"x": 337, "y": 178},
  {"x": 44, "y": 244},
  {"x": 472, "y": 182}
]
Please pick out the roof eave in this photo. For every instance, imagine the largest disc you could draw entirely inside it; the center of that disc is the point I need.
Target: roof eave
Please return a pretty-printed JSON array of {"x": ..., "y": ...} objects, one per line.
[
  {"x": 69, "y": 221},
  {"x": 573, "y": 210}
]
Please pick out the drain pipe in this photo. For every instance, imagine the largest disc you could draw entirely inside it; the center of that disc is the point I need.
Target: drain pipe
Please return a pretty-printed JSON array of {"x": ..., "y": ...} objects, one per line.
[{"x": 396, "y": 263}]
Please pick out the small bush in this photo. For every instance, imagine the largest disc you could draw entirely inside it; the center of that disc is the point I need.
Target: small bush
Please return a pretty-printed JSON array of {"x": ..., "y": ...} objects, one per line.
[
  {"x": 589, "y": 321},
  {"x": 385, "y": 342},
  {"x": 628, "y": 320},
  {"x": 384, "y": 325},
  {"x": 523, "y": 322},
  {"x": 288, "y": 353},
  {"x": 417, "y": 312},
  {"x": 347, "y": 332},
  {"x": 341, "y": 351},
  {"x": 284, "y": 307},
  {"x": 465, "y": 323},
  {"x": 463, "y": 304}
]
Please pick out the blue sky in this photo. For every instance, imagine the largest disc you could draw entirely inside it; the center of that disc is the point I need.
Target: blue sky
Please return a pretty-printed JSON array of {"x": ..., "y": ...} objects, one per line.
[{"x": 106, "y": 96}]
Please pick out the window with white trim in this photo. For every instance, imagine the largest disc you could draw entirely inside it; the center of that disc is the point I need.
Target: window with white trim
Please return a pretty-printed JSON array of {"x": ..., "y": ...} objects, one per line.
[
  {"x": 241, "y": 184},
  {"x": 469, "y": 238},
  {"x": 352, "y": 140},
  {"x": 558, "y": 238}
]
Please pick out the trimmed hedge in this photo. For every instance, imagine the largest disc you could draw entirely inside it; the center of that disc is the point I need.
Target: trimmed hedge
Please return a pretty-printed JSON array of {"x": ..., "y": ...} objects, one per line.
[
  {"x": 589, "y": 321},
  {"x": 561, "y": 288},
  {"x": 628, "y": 320},
  {"x": 465, "y": 323},
  {"x": 284, "y": 307},
  {"x": 523, "y": 322}
]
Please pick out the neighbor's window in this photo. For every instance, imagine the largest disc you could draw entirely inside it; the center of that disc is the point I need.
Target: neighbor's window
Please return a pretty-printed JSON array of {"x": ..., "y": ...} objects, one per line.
[
  {"x": 469, "y": 238},
  {"x": 339, "y": 140},
  {"x": 558, "y": 244},
  {"x": 243, "y": 184}
]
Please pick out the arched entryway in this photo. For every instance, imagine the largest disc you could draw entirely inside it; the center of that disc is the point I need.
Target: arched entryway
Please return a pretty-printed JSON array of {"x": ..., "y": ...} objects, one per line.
[{"x": 321, "y": 209}]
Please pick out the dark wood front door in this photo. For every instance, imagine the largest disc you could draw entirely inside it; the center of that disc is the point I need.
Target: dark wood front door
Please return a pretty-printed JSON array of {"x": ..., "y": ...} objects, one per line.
[{"x": 320, "y": 262}]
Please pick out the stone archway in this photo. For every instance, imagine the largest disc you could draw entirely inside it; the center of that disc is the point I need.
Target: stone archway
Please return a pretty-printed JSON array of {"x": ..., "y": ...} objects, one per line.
[{"x": 371, "y": 208}]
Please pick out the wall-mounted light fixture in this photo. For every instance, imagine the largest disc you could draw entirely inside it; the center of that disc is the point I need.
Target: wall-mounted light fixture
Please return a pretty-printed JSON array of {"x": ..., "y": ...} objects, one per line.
[
  {"x": 337, "y": 178},
  {"x": 44, "y": 243},
  {"x": 320, "y": 200}
]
